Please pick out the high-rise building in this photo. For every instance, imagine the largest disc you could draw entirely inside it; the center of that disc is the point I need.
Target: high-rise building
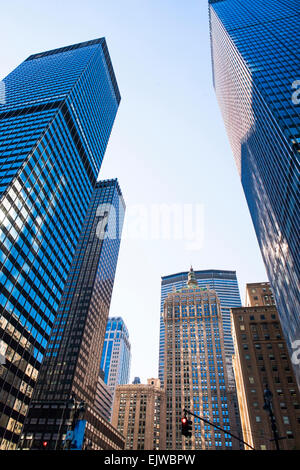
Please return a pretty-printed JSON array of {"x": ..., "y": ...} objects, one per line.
[
  {"x": 262, "y": 364},
  {"x": 225, "y": 284},
  {"x": 259, "y": 294},
  {"x": 103, "y": 399},
  {"x": 255, "y": 66},
  {"x": 55, "y": 121},
  {"x": 71, "y": 365},
  {"x": 116, "y": 357},
  {"x": 138, "y": 414},
  {"x": 195, "y": 374}
]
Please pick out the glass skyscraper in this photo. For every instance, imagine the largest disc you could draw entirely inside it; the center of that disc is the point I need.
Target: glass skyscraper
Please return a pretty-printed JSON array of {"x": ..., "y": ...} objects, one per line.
[
  {"x": 55, "y": 121},
  {"x": 255, "y": 67},
  {"x": 224, "y": 283},
  {"x": 71, "y": 366},
  {"x": 115, "y": 361}
]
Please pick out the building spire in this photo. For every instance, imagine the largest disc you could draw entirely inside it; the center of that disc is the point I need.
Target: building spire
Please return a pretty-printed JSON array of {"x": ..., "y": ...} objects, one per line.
[{"x": 192, "y": 281}]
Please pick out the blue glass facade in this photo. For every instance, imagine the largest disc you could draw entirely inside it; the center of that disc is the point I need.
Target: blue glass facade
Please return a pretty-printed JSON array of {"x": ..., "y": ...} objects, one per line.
[
  {"x": 71, "y": 365},
  {"x": 255, "y": 68},
  {"x": 224, "y": 283},
  {"x": 115, "y": 361},
  {"x": 55, "y": 123}
]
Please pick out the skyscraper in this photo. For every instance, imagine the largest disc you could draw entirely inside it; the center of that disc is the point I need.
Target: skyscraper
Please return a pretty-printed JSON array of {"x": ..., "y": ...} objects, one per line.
[
  {"x": 55, "y": 123},
  {"x": 139, "y": 414},
  {"x": 259, "y": 294},
  {"x": 255, "y": 66},
  {"x": 262, "y": 363},
  {"x": 71, "y": 366},
  {"x": 195, "y": 374},
  {"x": 103, "y": 399},
  {"x": 224, "y": 283},
  {"x": 116, "y": 357}
]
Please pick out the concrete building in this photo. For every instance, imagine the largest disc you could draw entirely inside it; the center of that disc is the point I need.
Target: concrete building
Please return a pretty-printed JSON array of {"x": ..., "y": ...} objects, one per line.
[
  {"x": 259, "y": 294},
  {"x": 262, "y": 362},
  {"x": 138, "y": 414}
]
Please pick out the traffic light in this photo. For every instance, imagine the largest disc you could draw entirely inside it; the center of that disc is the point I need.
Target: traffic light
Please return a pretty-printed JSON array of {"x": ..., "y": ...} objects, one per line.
[
  {"x": 45, "y": 445},
  {"x": 186, "y": 427}
]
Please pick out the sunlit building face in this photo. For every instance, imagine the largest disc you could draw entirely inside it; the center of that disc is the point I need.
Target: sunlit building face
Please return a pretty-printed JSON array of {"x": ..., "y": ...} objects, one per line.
[
  {"x": 255, "y": 70},
  {"x": 55, "y": 123}
]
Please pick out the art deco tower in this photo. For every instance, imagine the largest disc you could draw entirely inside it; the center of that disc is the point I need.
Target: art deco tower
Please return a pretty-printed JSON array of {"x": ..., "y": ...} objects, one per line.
[
  {"x": 55, "y": 121},
  {"x": 225, "y": 284},
  {"x": 195, "y": 374},
  {"x": 255, "y": 70}
]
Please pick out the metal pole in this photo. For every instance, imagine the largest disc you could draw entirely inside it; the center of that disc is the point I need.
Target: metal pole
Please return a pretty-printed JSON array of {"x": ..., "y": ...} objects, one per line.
[
  {"x": 62, "y": 419},
  {"x": 218, "y": 427},
  {"x": 268, "y": 407}
]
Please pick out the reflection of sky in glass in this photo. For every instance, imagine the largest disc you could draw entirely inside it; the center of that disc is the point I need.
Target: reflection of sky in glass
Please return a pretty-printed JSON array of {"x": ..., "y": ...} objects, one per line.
[
  {"x": 54, "y": 128},
  {"x": 255, "y": 65}
]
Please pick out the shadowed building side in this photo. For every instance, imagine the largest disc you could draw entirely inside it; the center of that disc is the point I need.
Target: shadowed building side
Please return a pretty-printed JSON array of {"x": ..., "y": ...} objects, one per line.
[{"x": 72, "y": 362}]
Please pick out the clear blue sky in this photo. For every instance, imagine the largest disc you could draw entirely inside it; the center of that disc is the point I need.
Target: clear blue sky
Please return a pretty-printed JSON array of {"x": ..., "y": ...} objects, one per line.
[{"x": 168, "y": 144}]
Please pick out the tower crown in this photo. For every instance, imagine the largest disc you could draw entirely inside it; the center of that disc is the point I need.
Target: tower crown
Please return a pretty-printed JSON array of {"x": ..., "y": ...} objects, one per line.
[{"x": 192, "y": 281}]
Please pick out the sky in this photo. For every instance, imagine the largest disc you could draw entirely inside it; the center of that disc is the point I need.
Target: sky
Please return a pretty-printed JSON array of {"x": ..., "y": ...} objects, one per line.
[{"x": 168, "y": 147}]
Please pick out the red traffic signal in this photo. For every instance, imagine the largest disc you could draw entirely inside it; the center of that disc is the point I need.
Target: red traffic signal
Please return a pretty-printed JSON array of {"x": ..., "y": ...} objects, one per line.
[
  {"x": 45, "y": 444},
  {"x": 186, "y": 427}
]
